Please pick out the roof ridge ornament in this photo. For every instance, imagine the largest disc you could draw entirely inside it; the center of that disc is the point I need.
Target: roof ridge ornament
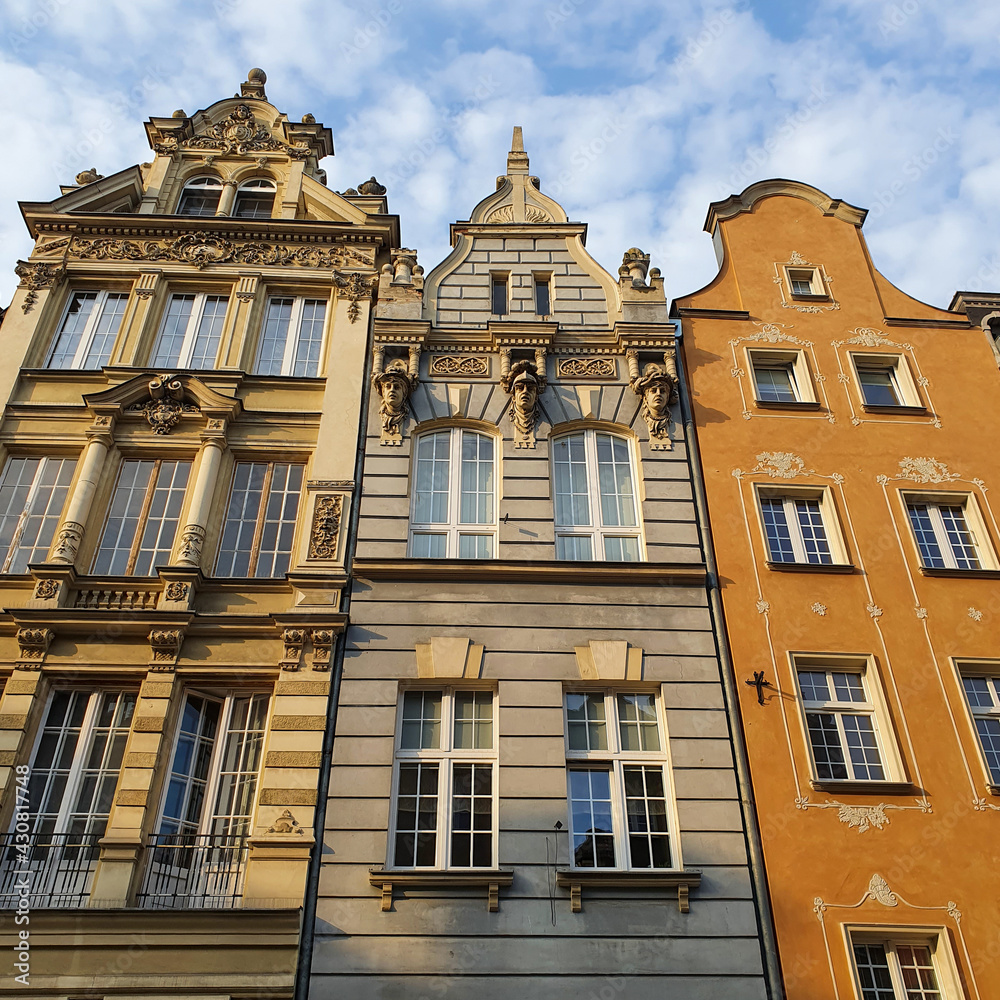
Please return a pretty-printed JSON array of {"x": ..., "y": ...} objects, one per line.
[{"x": 517, "y": 158}]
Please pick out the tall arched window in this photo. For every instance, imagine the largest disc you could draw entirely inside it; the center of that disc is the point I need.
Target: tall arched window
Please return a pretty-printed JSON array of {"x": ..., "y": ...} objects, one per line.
[
  {"x": 255, "y": 199},
  {"x": 597, "y": 510},
  {"x": 454, "y": 496},
  {"x": 200, "y": 196}
]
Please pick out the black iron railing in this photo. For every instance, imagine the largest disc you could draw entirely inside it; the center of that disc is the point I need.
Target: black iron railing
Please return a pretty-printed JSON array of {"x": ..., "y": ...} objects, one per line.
[
  {"x": 187, "y": 871},
  {"x": 51, "y": 870}
]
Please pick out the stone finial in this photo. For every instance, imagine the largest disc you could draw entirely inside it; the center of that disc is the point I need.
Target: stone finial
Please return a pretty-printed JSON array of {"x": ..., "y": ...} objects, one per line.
[
  {"x": 400, "y": 287},
  {"x": 371, "y": 186},
  {"x": 179, "y": 113},
  {"x": 635, "y": 265},
  {"x": 89, "y": 176},
  {"x": 308, "y": 119},
  {"x": 641, "y": 303},
  {"x": 254, "y": 86},
  {"x": 517, "y": 158}
]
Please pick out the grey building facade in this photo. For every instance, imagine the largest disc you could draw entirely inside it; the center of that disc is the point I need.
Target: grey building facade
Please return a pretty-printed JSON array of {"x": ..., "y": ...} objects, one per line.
[{"x": 533, "y": 789}]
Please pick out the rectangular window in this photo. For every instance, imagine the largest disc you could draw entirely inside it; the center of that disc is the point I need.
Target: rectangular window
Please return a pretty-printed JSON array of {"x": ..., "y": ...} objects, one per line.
[
  {"x": 88, "y": 330},
  {"x": 774, "y": 383},
  {"x": 884, "y": 380},
  {"x": 142, "y": 520},
  {"x": 983, "y": 696},
  {"x": 943, "y": 534},
  {"x": 780, "y": 376},
  {"x": 292, "y": 338},
  {"x": 879, "y": 386},
  {"x": 543, "y": 285},
  {"x": 842, "y": 726},
  {"x": 619, "y": 803},
  {"x": 498, "y": 294},
  {"x": 445, "y": 801},
  {"x": 32, "y": 495},
  {"x": 795, "y": 529},
  {"x": 805, "y": 281},
  {"x": 191, "y": 331},
  {"x": 911, "y": 969},
  {"x": 260, "y": 520}
]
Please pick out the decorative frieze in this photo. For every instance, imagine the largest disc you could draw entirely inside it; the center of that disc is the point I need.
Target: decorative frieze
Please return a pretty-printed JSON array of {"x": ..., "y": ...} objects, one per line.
[
  {"x": 238, "y": 134},
  {"x": 467, "y": 366},
  {"x": 46, "y": 590},
  {"x": 587, "y": 368},
  {"x": 325, "y": 527}
]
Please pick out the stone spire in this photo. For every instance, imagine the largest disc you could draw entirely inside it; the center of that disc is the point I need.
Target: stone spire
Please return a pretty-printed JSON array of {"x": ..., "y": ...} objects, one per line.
[{"x": 517, "y": 158}]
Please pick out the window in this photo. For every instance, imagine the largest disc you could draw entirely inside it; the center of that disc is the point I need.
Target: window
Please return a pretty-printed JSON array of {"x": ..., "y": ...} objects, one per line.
[
  {"x": 543, "y": 284},
  {"x": 597, "y": 511},
  {"x": 983, "y": 695},
  {"x": 884, "y": 380},
  {"x": 292, "y": 337},
  {"x": 781, "y": 377},
  {"x": 142, "y": 520},
  {"x": 88, "y": 330},
  {"x": 445, "y": 800},
  {"x": 454, "y": 496},
  {"x": 255, "y": 199},
  {"x": 619, "y": 803},
  {"x": 805, "y": 281},
  {"x": 498, "y": 294},
  {"x": 799, "y": 529},
  {"x": 32, "y": 495},
  {"x": 200, "y": 196},
  {"x": 191, "y": 331},
  {"x": 898, "y": 970},
  {"x": 947, "y": 531},
  {"x": 842, "y": 726},
  {"x": 260, "y": 521}
]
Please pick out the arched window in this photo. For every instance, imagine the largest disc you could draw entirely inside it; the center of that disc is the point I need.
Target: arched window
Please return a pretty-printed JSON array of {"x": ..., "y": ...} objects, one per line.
[
  {"x": 255, "y": 199},
  {"x": 597, "y": 510},
  {"x": 200, "y": 196},
  {"x": 454, "y": 496}
]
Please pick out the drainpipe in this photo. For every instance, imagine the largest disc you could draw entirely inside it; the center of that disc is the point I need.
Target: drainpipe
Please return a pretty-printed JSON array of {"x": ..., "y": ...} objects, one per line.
[
  {"x": 308, "y": 932},
  {"x": 765, "y": 925}
]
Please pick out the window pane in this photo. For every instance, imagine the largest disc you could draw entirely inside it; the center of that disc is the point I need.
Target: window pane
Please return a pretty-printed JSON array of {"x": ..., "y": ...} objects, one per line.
[
  {"x": 121, "y": 529},
  {"x": 574, "y": 547},
  {"x": 847, "y": 687},
  {"x": 637, "y": 722},
  {"x": 570, "y": 468},
  {"x": 473, "y": 720},
  {"x": 472, "y": 816},
  {"x": 421, "y": 729},
  {"x": 878, "y": 386},
  {"x": 190, "y": 769},
  {"x": 621, "y": 549},
  {"x": 72, "y": 328},
  {"x": 236, "y": 548},
  {"x": 827, "y": 751},
  {"x": 646, "y": 812},
  {"x": 590, "y": 818},
  {"x": 989, "y": 737},
  {"x": 779, "y": 541},
  {"x": 542, "y": 298},
  {"x": 586, "y": 722},
  {"x": 872, "y": 964},
  {"x": 271, "y": 353},
  {"x": 774, "y": 384},
  {"x": 814, "y": 686},
  {"x": 431, "y": 493},
  {"x": 106, "y": 331},
  {"x": 963, "y": 548},
  {"x": 239, "y": 766},
  {"x": 200, "y": 197},
  {"x": 430, "y": 546},
  {"x": 477, "y": 488},
  {"x": 499, "y": 299},
  {"x": 310, "y": 341},
  {"x": 209, "y": 333},
  {"x": 416, "y": 816},
  {"x": 813, "y": 532},
  {"x": 170, "y": 342},
  {"x": 615, "y": 477},
  {"x": 278, "y": 528},
  {"x": 917, "y": 970},
  {"x": 923, "y": 530},
  {"x": 36, "y": 526},
  {"x": 253, "y": 205},
  {"x": 474, "y": 546},
  {"x": 162, "y": 518},
  {"x": 863, "y": 748}
]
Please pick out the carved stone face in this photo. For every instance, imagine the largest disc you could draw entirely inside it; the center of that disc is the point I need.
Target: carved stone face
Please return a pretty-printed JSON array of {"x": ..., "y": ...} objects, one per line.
[
  {"x": 394, "y": 393},
  {"x": 657, "y": 398},
  {"x": 525, "y": 394}
]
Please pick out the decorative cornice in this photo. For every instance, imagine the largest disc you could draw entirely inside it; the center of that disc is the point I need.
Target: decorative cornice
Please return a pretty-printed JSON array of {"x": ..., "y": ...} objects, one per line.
[{"x": 35, "y": 275}]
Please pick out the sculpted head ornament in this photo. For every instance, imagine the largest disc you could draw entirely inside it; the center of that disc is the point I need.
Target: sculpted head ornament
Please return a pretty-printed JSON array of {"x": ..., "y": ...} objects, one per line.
[
  {"x": 394, "y": 385},
  {"x": 658, "y": 389}
]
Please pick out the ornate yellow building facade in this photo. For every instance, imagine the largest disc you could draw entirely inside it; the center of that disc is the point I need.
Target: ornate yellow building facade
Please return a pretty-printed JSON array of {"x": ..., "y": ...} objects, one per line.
[{"x": 184, "y": 375}]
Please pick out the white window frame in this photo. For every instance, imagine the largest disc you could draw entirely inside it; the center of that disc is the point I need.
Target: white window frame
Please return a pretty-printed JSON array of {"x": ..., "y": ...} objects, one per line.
[
  {"x": 82, "y": 352},
  {"x": 255, "y": 186},
  {"x": 813, "y": 275},
  {"x": 615, "y": 759},
  {"x": 446, "y": 756},
  {"x": 199, "y": 182},
  {"x": 989, "y": 671},
  {"x": 974, "y": 523},
  {"x": 899, "y": 376},
  {"x": 874, "y": 707},
  {"x": 452, "y": 527},
  {"x": 831, "y": 525},
  {"x": 798, "y": 374},
  {"x": 51, "y": 516},
  {"x": 935, "y": 939},
  {"x": 293, "y": 334},
  {"x": 596, "y": 531},
  {"x": 191, "y": 330}
]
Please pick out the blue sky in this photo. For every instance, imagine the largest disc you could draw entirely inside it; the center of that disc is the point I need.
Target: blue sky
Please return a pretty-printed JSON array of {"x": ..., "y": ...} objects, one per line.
[{"x": 635, "y": 116}]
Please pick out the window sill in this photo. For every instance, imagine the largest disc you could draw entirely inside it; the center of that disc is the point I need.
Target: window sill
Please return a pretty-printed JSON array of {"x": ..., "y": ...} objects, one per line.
[
  {"x": 594, "y": 878},
  {"x": 965, "y": 574},
  {"x": 993, "y": 789},
  {"x": 810, "y": 297},
  {"x": 795, "y": 567},
  {"x": 911, "y": 411},
  {"x": 787, "y": 404},
  {"x": 491, "y": 880},
  {"x": 865, "y": 787}
]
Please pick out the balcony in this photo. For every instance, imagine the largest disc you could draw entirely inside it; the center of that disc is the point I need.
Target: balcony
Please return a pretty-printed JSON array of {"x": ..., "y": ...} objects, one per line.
[{"x": 179, "y": 871}]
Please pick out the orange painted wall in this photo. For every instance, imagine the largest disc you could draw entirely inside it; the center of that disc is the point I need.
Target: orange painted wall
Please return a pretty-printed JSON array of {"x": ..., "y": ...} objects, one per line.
[{"x": 939, "y": 841}]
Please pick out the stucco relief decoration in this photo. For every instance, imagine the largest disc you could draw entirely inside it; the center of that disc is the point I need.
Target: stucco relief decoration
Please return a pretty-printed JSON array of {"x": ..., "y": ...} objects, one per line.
[
  {"x": 772, "y": 333},
  {"x": 68, "y": 542},
  {"x": 34, "y": 276},
  {"x": 524, "y": 381},
  {"x": 873, "y": 610},
  {"x": 863, "y": 817},
  {"x": 45, "y": 590},
  {"x": 322, "y": 640},
  {"x": 238, "y": 134},
  {"x": 176, "y": 591},
  {"x": 797, "y": 260},
  {"x": 192, "y": 541},
  {"x": 587, "y": 368},
  {"x": 395, "y": 383},
  {"x": 293, "y": 639},
  {"x": 925, "y": 470},
  {"x": 779, "y": 464},
  {"x": 286, "y": 823},
  {"x": 203, "y": 249},
  {"x": 165, "y": 406},
  {"x": 819, "y": 609},
  {"x": 325, "y": 527},
  {"x": 468, "y": 365},
  {"x": 357, "y": 288},
  {"x": 505, "y": 213},
  {"x": 879, "y": 889},
  {"x": 166, "y": 647},
  {"x": 975, "y": 614},
  {"x": 33, "y": 643},
  {"x": 656, "y": 385},
  {"x": 865, "y": 336}
]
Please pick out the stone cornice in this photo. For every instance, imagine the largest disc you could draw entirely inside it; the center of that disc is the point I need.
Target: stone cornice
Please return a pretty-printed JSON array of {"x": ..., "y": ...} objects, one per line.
[{"x": 746, "y": 201}]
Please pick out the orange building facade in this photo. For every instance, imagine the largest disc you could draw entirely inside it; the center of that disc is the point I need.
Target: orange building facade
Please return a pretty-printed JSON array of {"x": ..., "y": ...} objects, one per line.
[{"x": 847, "y": 437}]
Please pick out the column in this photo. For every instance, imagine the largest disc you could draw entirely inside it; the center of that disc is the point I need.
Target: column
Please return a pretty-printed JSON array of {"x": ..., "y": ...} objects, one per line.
[{"x": 227, "y": 198}]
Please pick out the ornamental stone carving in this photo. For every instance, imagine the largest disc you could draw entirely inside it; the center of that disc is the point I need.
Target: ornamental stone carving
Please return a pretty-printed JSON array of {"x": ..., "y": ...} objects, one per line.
[
  {"x": 293, "y": 640},
  {"x": 68, "y": 542},
  {"x": 879, "y": 889},
  {"x": 45, "y": 590},
  {"x": 192, "y": 542},
  {"x": 357, "y": 288},
  {"x": 524, "y": 381},
  {"x": 33, "y": 644},
  {"x": 657, "y": 387},
  {"x": 469, "y": 366},
  {"x": 286, "y": 823},
  {"x": 322, "y": 640},
  {"x": 165, "y": 644},
  {"x": 165, "y": 406},
  {"x": 325, "y": 527},
  {"x": 176, "y": 591},
  {"x": 925, "y": 470},
  {"x": 36, "y": 275},
  {"x": 587, "y": 368},
  {"x": 238, "y": 134},
  {"x": 395, "y": 384}
]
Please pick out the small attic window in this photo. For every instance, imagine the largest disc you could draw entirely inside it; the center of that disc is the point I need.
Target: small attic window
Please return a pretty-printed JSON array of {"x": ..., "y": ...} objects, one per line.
[
  {"x": 543, "y": 294},
  {"x": 498, "y": 294},
  {"x": 255, "y": 199},
  {"x": 200, "y": 196}
]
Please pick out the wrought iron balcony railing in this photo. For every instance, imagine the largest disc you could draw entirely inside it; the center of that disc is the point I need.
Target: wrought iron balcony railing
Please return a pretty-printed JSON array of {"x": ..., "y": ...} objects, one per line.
[
  {"x": 53, "y": 870},
  {"x": 187, "y": 871}
]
